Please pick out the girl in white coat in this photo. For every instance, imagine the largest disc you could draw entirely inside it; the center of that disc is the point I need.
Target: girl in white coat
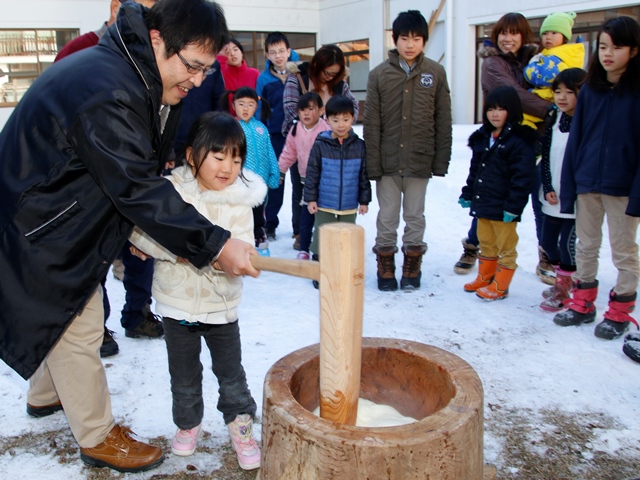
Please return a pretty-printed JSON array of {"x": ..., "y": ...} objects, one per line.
[{"x": 204, "y": 303}]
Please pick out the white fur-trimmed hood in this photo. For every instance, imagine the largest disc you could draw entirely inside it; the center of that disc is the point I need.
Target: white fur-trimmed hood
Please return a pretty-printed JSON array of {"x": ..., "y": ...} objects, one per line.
[{"x": 250, "y": 190}]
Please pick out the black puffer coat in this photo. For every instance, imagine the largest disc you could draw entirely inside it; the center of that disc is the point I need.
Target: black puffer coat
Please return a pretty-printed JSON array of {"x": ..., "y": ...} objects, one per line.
[
  {"x": 79, "y": 164},
  {"x": 501, "y": 176}
]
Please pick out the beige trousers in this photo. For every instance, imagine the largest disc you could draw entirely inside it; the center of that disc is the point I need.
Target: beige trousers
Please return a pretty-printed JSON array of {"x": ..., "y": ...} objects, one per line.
[
  {"x": 408, "y": 193},
  {"x": 590, "y": 211},
  {"x": 73, "y": 373}
]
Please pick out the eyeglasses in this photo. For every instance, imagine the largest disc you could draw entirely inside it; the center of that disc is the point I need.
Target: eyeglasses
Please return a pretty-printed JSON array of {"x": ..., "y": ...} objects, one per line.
[
  {"x": 194, "y": 69},
  {"x": 275, "y": 53},
  {"x": 330, "y": 74}
]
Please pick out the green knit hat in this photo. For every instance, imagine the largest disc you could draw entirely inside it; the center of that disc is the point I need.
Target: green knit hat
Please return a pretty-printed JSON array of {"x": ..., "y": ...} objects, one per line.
[{"x": 560, "y": 22}]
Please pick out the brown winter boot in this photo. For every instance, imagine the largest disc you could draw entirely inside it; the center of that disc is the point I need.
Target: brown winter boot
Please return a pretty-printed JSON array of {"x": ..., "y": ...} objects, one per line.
[
  {"x": 616, "y": 318},
  {"x": 486, "y": 271},
  {"x": 122, "y": 453},
  {"x": 386, "y": 268},
  {"x": 498, "y": 289},
  {"x": 560, "y": 292},
  {"x": 545, "y": 270},
  {"x": 468, "y": 259},
  {"x": 411, "y": 273}
]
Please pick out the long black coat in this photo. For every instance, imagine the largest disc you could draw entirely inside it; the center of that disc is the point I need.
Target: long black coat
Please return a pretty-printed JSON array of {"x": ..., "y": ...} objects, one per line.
[
  {"x": 79, "y": 164},
  {"x": 501, "y": 176}
]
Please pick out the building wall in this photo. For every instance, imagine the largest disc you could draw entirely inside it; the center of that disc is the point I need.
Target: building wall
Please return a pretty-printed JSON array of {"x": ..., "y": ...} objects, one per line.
[{"x": 452, "y": 39}]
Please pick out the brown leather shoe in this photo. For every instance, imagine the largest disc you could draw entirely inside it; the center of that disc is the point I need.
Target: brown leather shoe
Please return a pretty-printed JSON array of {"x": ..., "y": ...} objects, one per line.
[
  {"x": 44, "y": 410},
  {"x": 122, "y": 453}
]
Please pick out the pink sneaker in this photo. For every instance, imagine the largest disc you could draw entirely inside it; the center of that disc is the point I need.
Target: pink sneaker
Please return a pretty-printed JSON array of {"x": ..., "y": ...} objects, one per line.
[
  {"x": 184, "y": 443},
  {"x": 247, "y": 450},
  {"x": 303, "y": 256}
]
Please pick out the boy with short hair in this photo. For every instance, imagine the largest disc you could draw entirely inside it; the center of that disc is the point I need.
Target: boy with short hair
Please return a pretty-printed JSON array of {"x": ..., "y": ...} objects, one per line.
[
  {"x": 407, "y": 129},
  {"x": 336, "y": 188},
  {"x": 270, "y": 86},
  {"x": 300, "y": 140}
]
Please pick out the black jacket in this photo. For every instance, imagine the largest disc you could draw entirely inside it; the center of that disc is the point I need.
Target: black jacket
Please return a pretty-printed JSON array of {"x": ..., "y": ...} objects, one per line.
[
  {"x": 79, "y": 164},
  {"x": 501, "y": 176}
]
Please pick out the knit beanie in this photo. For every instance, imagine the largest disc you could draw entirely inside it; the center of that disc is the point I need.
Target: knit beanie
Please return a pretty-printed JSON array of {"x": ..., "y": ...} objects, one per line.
[{"x": 560, "y": 22}]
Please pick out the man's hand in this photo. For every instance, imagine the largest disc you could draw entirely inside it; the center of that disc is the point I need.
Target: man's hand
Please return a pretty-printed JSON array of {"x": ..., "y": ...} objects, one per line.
[
  {"x": 139, "y": 253},
  {"x": 234, "y": 259}
]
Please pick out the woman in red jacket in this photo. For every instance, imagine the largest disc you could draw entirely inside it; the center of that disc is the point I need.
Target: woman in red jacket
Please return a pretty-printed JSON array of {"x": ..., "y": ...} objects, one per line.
[{"x": 234, "y": 69}]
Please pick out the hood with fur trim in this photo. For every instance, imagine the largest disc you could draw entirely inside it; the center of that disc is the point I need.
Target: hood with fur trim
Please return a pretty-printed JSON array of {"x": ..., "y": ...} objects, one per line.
[
  {"x": 488, "y": 49},
  {"x": 249, "y": 191}
]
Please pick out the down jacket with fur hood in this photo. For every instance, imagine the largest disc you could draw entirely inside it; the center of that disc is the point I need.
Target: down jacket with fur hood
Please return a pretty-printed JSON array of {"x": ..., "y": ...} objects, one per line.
[
  {"x": 501, "y": 175},
  {"x": 195, "y": 291},
  {"x": 500, "y": 69}
]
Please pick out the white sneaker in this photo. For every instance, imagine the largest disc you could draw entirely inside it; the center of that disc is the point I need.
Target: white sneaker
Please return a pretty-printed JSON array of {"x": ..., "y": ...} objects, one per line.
[
  {"x": 185, "y": 441},
  {"x": 247, "y": 450}
]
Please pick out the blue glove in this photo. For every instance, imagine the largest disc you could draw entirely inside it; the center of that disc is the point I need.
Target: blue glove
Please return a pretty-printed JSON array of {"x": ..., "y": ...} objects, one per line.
[
  {"x": 508, "y": 217},
  {"x": 464, "y": 203}
]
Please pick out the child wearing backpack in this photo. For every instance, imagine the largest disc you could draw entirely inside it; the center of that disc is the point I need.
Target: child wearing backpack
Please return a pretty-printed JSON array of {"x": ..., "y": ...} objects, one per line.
[{"x": 295, "y": 154}]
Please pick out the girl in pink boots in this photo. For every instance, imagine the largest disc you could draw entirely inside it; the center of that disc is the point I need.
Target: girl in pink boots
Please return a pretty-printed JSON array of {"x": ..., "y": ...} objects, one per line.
[
  {"x": 600, "y": 176},
  {"x": 500, "y": 179},
  {"x": 204, "y": 304},
  {"x": 558, "y": 237}
]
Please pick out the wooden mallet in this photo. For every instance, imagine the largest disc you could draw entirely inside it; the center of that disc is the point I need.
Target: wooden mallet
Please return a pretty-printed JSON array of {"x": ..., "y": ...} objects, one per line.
[{"x": 340, "y": 273}]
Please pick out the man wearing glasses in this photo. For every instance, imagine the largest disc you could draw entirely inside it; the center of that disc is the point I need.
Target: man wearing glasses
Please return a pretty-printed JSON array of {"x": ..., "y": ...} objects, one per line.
[{"x": 79, "y": 164}]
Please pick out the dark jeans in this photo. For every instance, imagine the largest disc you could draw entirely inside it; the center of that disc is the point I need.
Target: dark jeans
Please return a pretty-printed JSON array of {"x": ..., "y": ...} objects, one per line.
[
  {"x": 472, "y": 235},
  {"x": 138, "y": 277},
  {"x": 306, "y": 228},
  {"x": 105, "y": 300},
  {"x": 259, "y": 233},
  {"x": 276, "y": 198},
  {"x": 275, "y": 195},
  {"x": 183, "y": 348},
  {"x": 559, "y": 241}
]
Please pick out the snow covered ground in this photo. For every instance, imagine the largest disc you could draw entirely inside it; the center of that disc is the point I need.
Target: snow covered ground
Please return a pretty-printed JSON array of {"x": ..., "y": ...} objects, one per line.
[{"x": 527, "y": 364}]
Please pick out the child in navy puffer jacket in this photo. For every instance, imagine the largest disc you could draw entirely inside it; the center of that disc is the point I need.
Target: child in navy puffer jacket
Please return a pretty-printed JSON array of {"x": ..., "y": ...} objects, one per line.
[
  {"x": 501, "y": 176},
  {"x": 336, "y": 187}
]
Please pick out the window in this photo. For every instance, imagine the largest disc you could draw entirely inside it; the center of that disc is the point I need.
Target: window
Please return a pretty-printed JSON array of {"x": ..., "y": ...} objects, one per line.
[
  {"x": 25, "y": 54},
  {"x": 356, "y": 55}
]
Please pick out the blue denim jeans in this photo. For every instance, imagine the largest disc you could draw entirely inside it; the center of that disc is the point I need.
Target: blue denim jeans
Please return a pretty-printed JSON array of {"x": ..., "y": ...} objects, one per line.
[{"x": 183, "y": 349}]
